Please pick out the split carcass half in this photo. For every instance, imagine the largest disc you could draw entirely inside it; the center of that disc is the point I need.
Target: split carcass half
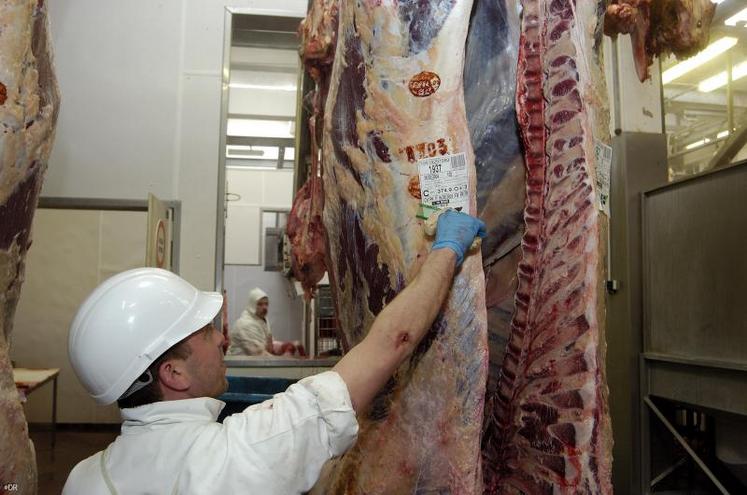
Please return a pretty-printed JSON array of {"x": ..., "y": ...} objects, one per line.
[
  {"x": 551, "y": 404},
  {"x": 396, "y": 98}
]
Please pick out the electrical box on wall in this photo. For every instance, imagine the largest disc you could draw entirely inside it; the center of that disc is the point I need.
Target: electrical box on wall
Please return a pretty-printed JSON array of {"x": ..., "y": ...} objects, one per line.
[{"x": 274, "y": 249}]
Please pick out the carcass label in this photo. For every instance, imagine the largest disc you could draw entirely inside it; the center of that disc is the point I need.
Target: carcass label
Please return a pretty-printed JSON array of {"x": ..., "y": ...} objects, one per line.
[
  {"x": 444, "y": 181},
  {"x": 603, "y": 158}
]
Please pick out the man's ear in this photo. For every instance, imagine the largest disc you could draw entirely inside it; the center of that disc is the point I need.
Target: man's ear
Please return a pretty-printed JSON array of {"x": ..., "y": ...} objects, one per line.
[{"x": 172, "y": 374}]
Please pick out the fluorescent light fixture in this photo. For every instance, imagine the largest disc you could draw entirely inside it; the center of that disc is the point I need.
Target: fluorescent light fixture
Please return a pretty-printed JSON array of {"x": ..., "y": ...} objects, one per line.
[
  {"x": 740, "y": 16},
  {"x": 266, "y": 87},
  {"x": 243, "y": 151},
  {"x": 711, "y": 51},
  {"x": 722, "y": 134},
  {"x": 260, "y": 128},
  {"x": 717, "y": 1},
  {"x": 712, "y": 83},
  {"x": 697, "y": 144}
]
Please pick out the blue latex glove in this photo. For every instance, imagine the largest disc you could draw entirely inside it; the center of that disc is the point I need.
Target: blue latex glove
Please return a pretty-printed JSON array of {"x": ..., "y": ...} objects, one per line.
[{"x": 457, "y": 231}]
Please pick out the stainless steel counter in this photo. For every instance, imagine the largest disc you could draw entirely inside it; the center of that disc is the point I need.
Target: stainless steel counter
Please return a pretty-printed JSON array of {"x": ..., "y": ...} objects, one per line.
[{"x": 281, "y": 367}]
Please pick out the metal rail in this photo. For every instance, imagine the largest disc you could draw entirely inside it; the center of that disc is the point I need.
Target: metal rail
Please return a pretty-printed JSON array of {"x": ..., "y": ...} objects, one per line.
[
  {"x": 664, "y": 474},
  {"x": 729, "y": 150},
  {"x": 681, "y": 440}
]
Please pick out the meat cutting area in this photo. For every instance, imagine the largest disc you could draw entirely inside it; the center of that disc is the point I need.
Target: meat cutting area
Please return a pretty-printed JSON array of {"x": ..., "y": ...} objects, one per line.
[{"x": 391, "y": 247}]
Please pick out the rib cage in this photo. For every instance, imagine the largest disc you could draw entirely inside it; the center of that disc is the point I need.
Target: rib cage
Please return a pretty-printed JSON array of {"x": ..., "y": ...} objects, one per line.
[{"x": 551, "y": 400}]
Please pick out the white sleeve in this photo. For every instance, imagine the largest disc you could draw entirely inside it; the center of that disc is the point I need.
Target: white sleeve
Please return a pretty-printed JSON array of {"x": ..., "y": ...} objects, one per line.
[{"x": 296, "y": 432}]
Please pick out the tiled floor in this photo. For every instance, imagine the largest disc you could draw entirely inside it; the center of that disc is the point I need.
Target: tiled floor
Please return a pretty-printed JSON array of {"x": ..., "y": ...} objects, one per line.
[{"x": 72, "y": 447}]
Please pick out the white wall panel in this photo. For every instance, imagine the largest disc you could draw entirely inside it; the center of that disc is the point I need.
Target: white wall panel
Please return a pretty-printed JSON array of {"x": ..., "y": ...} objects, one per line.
[
  {"x": 73, "y": 251},
  {"x": 242, "y": 234},
  {"x": 117, "y": 66},
  {"x": 278, "y": 188},
  {"x": 197, "y": 178}
]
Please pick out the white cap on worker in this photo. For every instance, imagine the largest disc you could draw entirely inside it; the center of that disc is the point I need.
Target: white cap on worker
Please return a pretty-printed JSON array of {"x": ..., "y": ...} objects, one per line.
[{"x": 128, "y": 322}]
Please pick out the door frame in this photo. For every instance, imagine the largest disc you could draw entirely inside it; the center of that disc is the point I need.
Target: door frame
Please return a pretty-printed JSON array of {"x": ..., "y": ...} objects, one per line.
[{"x": 222, "y": 208}]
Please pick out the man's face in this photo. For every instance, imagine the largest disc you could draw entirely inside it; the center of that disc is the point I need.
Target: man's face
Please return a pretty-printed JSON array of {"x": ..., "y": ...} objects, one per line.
[
  {"x": 262, "y": 306},
  {"x": 205, "y": 365}
]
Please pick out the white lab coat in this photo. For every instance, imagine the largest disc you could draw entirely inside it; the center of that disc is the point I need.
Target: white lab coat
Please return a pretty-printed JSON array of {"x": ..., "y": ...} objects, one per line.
[
  {"x": 277, "y": 447},
  {"x": 250, "y": 333}
]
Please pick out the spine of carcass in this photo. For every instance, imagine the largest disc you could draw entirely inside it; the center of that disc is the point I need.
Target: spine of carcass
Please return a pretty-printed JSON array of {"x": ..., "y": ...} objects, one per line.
[{"x": 552, "y": 397}]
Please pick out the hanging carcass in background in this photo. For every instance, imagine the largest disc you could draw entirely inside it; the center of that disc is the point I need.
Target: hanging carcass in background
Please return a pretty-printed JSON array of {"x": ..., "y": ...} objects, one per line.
[
  {"x": 396, "y": 98},
  {"x": 318, "y": 32},
  {"x": 29, "y": 103},
  {"x": 551, "y": 405},
  {"x": 660, "y": 27},
  {"x": 490, "y": 100},
  {"x": 306, "y": 233}
]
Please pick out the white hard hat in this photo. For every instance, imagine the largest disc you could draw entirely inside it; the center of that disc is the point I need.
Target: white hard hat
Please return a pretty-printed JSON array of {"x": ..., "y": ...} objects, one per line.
[{"x": 128, "y": 322}]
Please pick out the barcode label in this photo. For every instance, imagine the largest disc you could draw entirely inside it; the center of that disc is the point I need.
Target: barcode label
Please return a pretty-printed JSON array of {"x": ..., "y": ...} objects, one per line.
[
  {"x": 444, "y": 181},
  {"x": 458, "y": 162},
  {"x": 603, "y": 158}
]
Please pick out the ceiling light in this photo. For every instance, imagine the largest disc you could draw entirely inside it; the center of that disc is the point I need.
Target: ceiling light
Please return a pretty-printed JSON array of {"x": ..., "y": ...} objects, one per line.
[
  {"x": 243, "y": 151},
  {"x": 720, "y": 79},
  {"x": 722, "y": 134},
  {"x": 711, "y": 51},
  {"x": 740, "y": 16},
  {"x": 259, "y": 128},
  {"x": 279, "y": 87},
  {"x": 697, "y": 144}
]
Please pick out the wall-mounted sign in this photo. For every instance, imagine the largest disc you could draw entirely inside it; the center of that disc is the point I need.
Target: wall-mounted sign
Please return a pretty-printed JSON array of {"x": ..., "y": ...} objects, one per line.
[
  {"x": 158, "y": 238},
  {"x": 160, "y": 244}
]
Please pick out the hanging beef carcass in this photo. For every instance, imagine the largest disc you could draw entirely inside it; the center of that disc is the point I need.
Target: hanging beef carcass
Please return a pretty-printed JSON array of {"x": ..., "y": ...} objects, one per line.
[
  {"x": 318, "y": 32},
  {"x": 660, "y": 27},
  {"x": 29, "y": 102},
  {"x": 551, "y": 403},
  {"x": 396, "y": 97},
  {"x": 306, "y": 232}
]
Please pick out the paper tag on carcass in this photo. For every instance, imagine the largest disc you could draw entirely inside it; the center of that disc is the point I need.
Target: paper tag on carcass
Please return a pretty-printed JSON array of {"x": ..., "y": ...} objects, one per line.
[
  {"x": 603, "y": 159},
  {"x": 444, "y": 181}
]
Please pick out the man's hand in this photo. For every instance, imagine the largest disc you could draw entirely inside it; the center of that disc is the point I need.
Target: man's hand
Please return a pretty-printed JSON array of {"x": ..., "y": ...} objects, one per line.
[{"x": 457, "y": 231}]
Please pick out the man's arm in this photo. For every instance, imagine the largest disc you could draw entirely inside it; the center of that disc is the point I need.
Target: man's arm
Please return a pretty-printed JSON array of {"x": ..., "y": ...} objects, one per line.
[
  {"x": 268, "y": 344},
  {"x": 401, "y": 325},
  {"x": 397, "y": 330}
]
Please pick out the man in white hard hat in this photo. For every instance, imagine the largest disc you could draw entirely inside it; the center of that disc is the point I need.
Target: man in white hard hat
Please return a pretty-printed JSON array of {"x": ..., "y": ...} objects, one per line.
[
  {"x": 251, "y": 334},
  {"x": 144, "y": 339}
]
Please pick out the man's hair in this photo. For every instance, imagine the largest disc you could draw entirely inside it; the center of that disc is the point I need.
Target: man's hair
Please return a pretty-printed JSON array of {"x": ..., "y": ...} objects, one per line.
[{"x": 152, "y": 392}]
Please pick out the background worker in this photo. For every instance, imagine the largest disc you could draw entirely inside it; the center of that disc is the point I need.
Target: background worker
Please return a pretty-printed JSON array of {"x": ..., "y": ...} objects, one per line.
[{"x": 251, "y": 334}]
